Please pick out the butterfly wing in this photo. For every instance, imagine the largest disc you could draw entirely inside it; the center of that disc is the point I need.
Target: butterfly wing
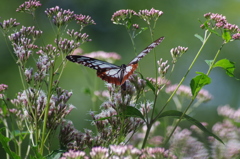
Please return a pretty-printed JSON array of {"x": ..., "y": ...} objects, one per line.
[
  {"x": 146, "y": 51},
  {"x": 91, "y": 62},
  {"x": 106, "y": 71},
  {"x": 132, "y": 66},
  {"x": 110, "y": 72}
]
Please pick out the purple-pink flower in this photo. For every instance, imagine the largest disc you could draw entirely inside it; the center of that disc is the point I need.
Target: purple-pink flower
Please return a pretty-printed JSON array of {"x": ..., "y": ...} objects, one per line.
[
  {"x": 106, "y": 56},
  {"x": 29, "y": 6},
  {"x": 148, "y": 15},
  {"x": 122, "y": 17},
  {"x": 3, "y": 87}
]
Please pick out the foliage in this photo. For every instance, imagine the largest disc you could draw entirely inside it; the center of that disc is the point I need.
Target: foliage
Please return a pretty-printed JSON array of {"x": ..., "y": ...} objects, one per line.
[{"x": 42, "y": 106}]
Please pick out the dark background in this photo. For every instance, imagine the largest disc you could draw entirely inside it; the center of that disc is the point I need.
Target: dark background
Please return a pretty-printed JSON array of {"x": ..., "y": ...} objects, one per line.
[{"x": 178, "y": 24}]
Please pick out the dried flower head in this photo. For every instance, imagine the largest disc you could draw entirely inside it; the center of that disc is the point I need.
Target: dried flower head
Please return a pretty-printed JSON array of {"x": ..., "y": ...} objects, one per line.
[
  {"x": 30, "y": 31},
  {"x": 138, "y": 83},
  {"x": 123, "y": 17},
  {"x": 49, "y": 50},
  {"x": 99, "y": 152},
  {"x": 236, "y": 36},
  {"x": 83, "y": 20},
  {"x": 160, "y": 82},
  {"x": 156, "y": 152},
  {"x": 34, "y": 103},
  {"x": 135, "y": 26},
  {"x": 66, "y": 46},
  {"x": 163, "y": 67},
  {"x": 21, "y": 53},
  {"x": 220, "y": 22},
  {"x": 29, "y": 6},
  {"x": 8, "y": 24},
  {"x": 28, "y": 74},
  {"x": 59, "y": 16},
  {"x": 3, "y": 87},
  {"x": 177, "y": 52},
  {"x": 83, "y": 37},
  {"x": 149, "y": 15},
  {"x": 71, "y": 154}
]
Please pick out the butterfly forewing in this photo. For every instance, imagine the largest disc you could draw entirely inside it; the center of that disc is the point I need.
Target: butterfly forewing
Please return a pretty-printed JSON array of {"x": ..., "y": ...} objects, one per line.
[
  {"x": 91, "y": 62},
  {"x": 106, "y": 71},
  {"x": 146, "y": 51}
]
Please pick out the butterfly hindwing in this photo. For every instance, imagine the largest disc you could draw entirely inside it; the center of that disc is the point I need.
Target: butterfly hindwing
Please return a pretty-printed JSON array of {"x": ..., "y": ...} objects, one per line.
[{"x": 113, "y": 75}]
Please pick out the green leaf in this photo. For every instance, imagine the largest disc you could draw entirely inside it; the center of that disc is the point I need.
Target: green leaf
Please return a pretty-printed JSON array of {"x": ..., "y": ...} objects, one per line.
[
  {"x": 199, "y": 37},
  {"x": 209, "y": 62},
  {"x": 150, "y": 85},
  {"x": 4, "y": 141},
  {"x": 141, "y": 30},
  {"x": 36, "y": 154},
  {"x": 198, "y": 82},
  {"x": 16, "y": 133},
  {"x": 87, "y": 91},
  {"x": 130, "y": 111},
  {"x": 56, "y": 154},
  {"x": 178, "y": 114},
  {"x": 226, "y": 35},
  {"x": 227, "y": 65},
  {"x": 206, "y": 25}
]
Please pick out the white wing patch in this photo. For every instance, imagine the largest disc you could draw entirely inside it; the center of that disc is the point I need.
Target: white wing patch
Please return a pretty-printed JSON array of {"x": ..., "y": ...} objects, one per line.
[
  {"x": 128, "y": 69},
  {"x": 113, "y": 73}
]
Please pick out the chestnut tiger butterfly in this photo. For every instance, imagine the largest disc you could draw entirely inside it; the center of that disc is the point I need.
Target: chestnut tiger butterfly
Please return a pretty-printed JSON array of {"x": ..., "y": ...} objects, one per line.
[{"x": 112, "y": 73}]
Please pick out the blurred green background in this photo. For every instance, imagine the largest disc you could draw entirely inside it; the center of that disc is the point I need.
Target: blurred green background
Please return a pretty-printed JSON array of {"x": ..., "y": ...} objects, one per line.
[{"x": 178, "y": 24}]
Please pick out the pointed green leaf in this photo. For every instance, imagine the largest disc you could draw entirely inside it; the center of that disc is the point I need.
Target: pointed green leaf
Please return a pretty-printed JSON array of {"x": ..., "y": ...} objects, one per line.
[
  {"x": 130, "y": 111},
  {"x": 178, "y": 114},
  {"x": 206, "y": 25},
  {"x": 150, "y": 85},
  {"x": 56, "y": 154},
  {"x": 141, "y": 30},
  {"x": 16, "y": 133},
  {"x": 199, "y": 37},
  {"x": 209, "y": 62},
  {"x": 198, "y": 82},
  {"x": 226, "y": 35},
  {"x": 4, "y": 141},
  {"x": 227, "y": 65}
]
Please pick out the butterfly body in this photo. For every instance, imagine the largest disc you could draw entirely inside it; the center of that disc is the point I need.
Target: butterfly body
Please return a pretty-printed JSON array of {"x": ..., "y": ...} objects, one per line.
[{"x": 112, "y": 73}]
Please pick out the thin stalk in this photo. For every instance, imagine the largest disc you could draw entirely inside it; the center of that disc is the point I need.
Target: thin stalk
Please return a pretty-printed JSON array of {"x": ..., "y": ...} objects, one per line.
[
  {"x": 179, "y": 120},
  {"x": 209, "y": 70},
  {"x": 184, "y": 77},
  {"x": 215, "y": 58},
  {"x": 46, "y": 111},
  {"x": 7, "y": 135}
]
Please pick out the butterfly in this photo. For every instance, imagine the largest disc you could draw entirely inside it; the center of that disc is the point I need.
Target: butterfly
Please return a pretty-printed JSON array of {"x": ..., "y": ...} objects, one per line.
[{"x": 112, "y": 73}]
